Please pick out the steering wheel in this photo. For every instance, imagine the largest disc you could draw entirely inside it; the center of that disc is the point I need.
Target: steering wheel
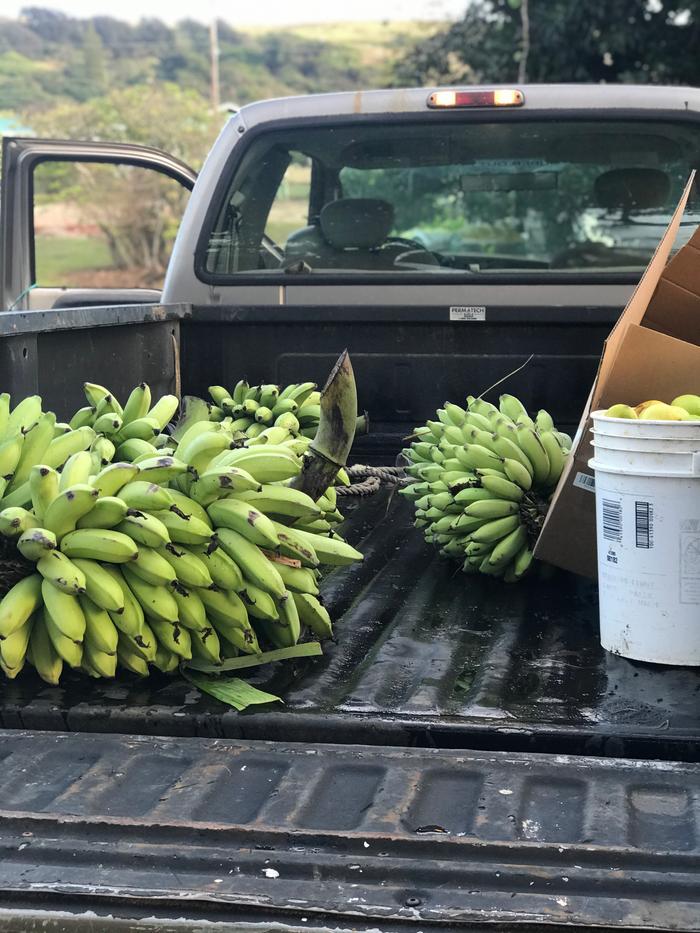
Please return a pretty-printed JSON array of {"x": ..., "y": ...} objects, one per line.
[{"x": 405, "y": 241}]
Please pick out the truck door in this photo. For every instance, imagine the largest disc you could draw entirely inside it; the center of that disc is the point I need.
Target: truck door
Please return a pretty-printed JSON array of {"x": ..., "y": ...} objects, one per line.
[{"x": 86, "y": 223}]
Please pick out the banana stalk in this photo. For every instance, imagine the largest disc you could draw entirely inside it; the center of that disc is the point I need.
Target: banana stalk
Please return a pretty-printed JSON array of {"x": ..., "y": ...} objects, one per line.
[{"x": 330, "y": 448}]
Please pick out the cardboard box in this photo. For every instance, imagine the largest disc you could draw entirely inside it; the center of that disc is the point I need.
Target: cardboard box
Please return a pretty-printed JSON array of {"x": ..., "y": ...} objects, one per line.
[{"x": 652, "y": 352}]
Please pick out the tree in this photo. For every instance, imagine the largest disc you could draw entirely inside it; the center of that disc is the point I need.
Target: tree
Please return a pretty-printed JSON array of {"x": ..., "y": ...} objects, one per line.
[
  {"x": 618, "y": 41},
  {"x": 137, "y": 210}
]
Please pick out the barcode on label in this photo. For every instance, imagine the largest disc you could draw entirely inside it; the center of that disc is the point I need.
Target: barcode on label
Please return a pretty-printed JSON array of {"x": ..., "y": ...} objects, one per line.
[
  {"x": 612, "y": 520},
  {"x": 585, "y": 481},
  {"x": 644, "y": 524}
]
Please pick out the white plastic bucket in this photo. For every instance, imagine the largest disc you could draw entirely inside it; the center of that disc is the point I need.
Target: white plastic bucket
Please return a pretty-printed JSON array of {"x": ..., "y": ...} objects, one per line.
[{"x": 647, "y": 489}]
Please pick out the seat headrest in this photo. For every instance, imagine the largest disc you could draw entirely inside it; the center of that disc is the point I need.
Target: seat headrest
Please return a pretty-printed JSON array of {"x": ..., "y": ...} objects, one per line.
[
  {"x": 632, "y": 188},
  {"x": 356, "y": 223}
]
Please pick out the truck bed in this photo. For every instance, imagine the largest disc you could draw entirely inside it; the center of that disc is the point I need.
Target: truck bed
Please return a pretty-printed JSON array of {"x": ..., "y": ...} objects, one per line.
[{"x": 424, "y": 656}]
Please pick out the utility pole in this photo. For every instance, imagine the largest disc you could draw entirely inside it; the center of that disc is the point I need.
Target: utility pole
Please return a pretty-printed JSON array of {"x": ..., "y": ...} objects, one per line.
[{"x": 214, "y": 63}]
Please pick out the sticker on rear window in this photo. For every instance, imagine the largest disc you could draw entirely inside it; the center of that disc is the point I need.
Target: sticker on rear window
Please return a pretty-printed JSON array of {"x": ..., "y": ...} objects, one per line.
[{"x": 467, "y": 313}]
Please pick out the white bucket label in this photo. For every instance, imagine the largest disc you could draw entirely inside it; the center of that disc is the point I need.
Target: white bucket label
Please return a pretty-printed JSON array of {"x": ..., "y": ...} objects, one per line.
[
  {"x": 690, "y": 561},
  {"x": 467, "y": 313},
  {"x": 585, "y": 481},
  {"x": 649, "y": 566}
]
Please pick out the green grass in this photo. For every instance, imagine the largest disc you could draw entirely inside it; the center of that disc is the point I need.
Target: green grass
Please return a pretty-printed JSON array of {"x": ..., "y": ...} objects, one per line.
[{"x": 57, "y": 258}]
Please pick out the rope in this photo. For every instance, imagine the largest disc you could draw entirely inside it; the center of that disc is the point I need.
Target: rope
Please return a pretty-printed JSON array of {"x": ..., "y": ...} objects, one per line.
[{"x": 370, "y": 479}]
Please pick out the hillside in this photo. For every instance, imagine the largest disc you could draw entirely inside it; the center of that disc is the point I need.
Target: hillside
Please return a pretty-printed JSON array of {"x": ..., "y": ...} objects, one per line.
[{"x": 48, "y": 58}]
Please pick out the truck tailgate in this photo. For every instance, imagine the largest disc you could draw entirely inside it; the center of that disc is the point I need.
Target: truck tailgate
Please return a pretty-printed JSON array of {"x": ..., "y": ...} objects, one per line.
[{"x": 344, "y": 836}]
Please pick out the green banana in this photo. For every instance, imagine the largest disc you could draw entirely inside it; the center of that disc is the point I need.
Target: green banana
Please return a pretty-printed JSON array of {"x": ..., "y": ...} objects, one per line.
[
  {"x": 260, "y": 605},
  {"x": 298, "y": 579},
  {"x": 144, "y": 529},
  {"x": 215, "y": 484},
  {"x": 145, "y": 496},
  {"x": 137, "y": 404},
  {"x": 502, "y": 487},
  {"x": 293, "y": 545},
  {"x": 174, "y": 637},
  {"x": 225, "y": 607},
  {"x": 156, "y": 601},
  {"x": 536, "y": 453},
  {"x": 331, "y": 550},
  {"x": 130, "y": 619},
  {"x": 164, "y": 410},
  {"x": 68, "y": 507},
  {"x": 206, "y": 645},
  {"x": 252, "y": 562},
  {"x": 493, "y": 531},
  {"x": 225, "y": 572},
  {"x": 36, "y": 543},
  {"x": 506, "y": 549},
  {"x": 100, "y": 632},
  {"x": 24, "y": 415},
  {"x": 313, "y": 614},
  {"x": 13, "y": 648},
  {"x": 189, "y": 530},
  {"x": 114, "y": 477},
  {"x": 36, "y": 443},
  {"x": 14, "y": 522},
  {"x": 555, "y": 454},
  {"x": 109, "y": 511},
  {"x": 64, "y": 446},
  {"x": 189, "y": 568},
  {"x": 191, "y": 610},
  {"x": 65, "y": 613},
  {"x": 152, "y": 567},
  {"x": 10, "y": 453},
  {"x": 103, "y": 664},
  {"x": 246, "y": 520},
  {"x": 103, "y": 544},
  {"x": 19, "y": 603},
  {"x": 100, "y": 585}
]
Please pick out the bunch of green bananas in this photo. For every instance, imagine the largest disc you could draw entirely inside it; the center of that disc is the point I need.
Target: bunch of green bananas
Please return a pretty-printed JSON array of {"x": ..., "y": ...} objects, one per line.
[
  {"x": 193, "y": 549},
  {"x": 484, "y": 477},
  {"x": 258, "y": 410}
]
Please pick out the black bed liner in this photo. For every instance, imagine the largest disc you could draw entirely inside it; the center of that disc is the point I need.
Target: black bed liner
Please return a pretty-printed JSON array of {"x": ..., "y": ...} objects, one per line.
[
  {"x": 424, "y": 657},
  {"x": 211, "y": 827}
]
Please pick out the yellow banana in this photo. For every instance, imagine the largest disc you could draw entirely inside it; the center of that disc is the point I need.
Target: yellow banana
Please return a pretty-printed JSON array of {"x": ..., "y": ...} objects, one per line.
[
  {"x": 130, "y": 619},
  {"x": 62, "y": 572},
  {"x": 101, "y": 662},
  {"x": 130, "y": 659}
]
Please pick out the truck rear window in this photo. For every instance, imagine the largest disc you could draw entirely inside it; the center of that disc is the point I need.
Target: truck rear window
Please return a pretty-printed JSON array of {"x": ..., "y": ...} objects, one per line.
[{"x": 446, "y": 198}]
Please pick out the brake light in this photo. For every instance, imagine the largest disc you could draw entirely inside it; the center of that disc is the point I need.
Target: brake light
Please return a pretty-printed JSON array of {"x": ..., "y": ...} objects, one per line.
[{"x": 499, "y": 97}]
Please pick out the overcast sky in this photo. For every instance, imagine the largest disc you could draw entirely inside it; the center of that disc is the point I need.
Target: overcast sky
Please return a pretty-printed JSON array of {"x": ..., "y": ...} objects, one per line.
[{"x": 266, "y": 13}]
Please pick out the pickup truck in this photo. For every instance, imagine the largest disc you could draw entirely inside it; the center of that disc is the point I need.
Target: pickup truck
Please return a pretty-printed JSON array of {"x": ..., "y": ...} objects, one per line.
[{"x": 464, "y": 754}]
